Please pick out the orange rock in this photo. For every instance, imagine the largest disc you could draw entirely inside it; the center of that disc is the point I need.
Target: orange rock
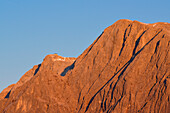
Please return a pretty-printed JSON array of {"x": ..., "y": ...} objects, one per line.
[{"x": 125, "y": 70}]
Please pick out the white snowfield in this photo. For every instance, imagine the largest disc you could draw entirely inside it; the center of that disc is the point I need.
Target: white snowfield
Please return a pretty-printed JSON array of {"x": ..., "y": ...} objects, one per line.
[
  {"x": 62, "y": 59},
  {"x": 59, "y": 59},
  {"x": 154, "y": 25}
]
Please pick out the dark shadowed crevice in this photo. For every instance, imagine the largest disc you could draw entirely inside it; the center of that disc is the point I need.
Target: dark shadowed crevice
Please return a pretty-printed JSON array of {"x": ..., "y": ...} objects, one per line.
[
  {"x": 7, "y": 96},
  {"x": 67, "y": 69},
  {"x": 130, "y": 29},
  {"x": 142, "y": 107},
  {"x": 108, "y": 94},
  {"x": 102, "y": 103},
  {"x": 123, "y": 44},
  {"x": 113, "y": 89},
  {"x": 163, "y": 36},
  {"x": 148, "y": 42},
  {"x": 157, "y": 44},
  {"x": 122, "y": 94},
  {"x": 137, "y": 42},
  {"x": 37, "y": 69},
  {"x": 124, "y": 38},
  {"x": 81, "y": 105},
  {"x": 79, "y": 96}
]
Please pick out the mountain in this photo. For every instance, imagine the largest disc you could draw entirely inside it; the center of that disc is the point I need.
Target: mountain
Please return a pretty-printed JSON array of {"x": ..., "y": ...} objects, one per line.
[{"x": 125, "y": 70}]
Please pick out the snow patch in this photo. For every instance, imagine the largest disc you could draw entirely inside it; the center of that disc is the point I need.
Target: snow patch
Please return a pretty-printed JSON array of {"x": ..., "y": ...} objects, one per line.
[
  {"x": 154, "y": 25},
  {"x": 59, "y": 59}
]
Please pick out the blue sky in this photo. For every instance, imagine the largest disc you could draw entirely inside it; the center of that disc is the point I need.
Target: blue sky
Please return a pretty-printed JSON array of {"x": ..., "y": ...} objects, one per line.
[{"x": 31, "y": 29}]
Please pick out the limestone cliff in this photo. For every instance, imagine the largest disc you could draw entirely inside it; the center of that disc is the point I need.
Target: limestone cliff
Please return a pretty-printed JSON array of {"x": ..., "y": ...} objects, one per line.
[{"x": 125, "y": 70}]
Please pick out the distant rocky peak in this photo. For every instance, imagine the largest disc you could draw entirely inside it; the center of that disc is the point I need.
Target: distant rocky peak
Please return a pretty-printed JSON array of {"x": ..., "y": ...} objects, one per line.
[{"x": 56, "y": 57}]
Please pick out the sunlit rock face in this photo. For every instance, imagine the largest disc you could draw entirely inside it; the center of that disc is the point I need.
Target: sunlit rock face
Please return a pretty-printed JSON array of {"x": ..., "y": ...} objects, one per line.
[{"x": 125, "y": 70}]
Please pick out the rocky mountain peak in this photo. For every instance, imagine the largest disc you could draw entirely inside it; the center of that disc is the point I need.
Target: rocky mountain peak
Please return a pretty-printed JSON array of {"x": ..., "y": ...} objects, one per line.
[{"x": 125, "y": 70}]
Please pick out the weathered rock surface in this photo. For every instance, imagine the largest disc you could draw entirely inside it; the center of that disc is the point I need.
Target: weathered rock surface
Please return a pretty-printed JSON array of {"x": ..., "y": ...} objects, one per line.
[{"x": 125, "y": 70}]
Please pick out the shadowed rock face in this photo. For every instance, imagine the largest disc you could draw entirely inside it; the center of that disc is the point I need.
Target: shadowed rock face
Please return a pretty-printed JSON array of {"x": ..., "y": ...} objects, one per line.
[{"x": 125, "y": 70}]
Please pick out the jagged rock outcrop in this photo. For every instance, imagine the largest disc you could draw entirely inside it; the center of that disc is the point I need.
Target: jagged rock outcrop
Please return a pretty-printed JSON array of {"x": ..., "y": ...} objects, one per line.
[{"x": 125, "y": 70}]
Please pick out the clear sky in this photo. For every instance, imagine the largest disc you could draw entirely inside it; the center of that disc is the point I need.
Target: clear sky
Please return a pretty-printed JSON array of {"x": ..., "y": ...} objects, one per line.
[{"x": 31, "y": 29}]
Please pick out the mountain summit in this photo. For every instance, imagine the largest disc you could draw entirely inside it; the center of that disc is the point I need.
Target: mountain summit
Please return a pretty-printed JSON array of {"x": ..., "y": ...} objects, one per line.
[{"x": 125, "y": 70}]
